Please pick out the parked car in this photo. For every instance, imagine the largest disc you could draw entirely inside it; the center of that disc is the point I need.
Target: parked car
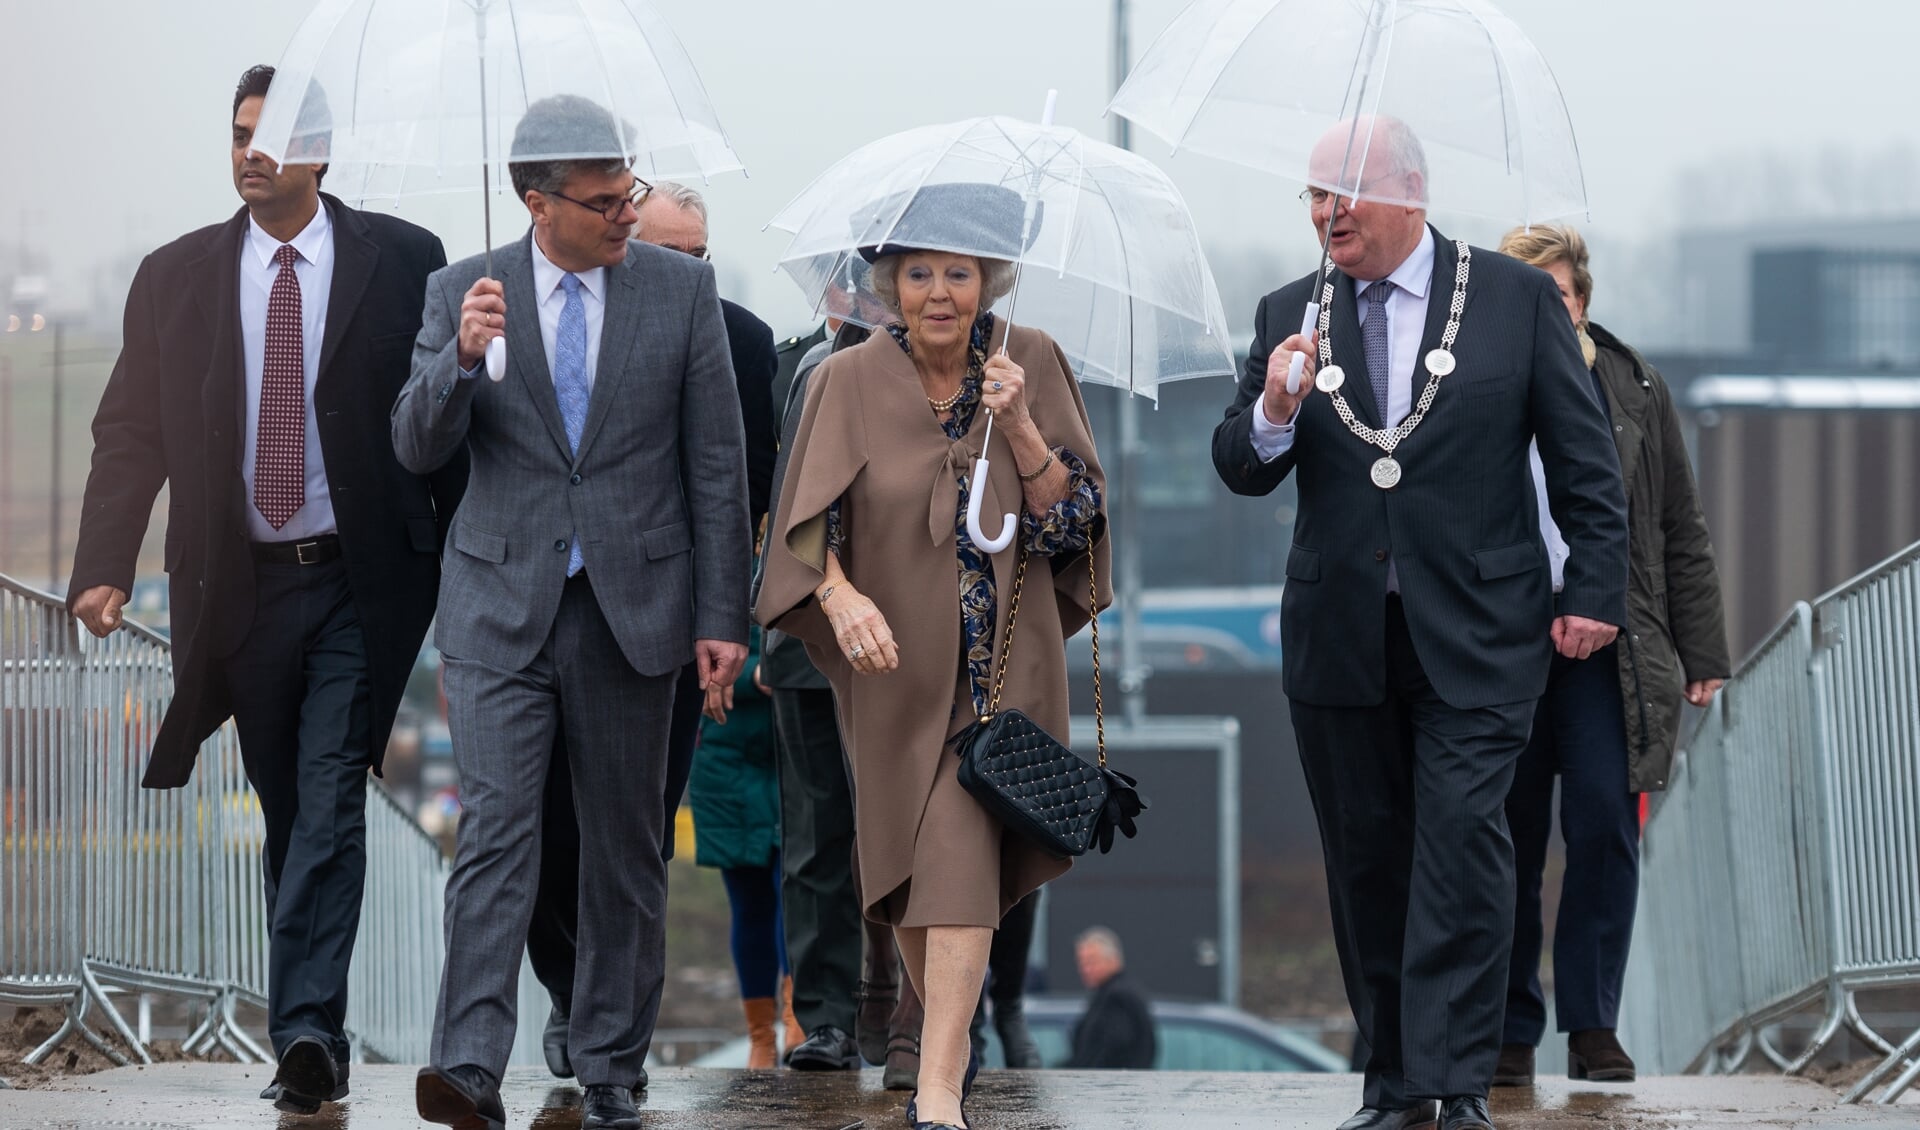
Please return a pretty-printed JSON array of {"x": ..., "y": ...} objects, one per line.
[{"x": 1192, "y": 1037}]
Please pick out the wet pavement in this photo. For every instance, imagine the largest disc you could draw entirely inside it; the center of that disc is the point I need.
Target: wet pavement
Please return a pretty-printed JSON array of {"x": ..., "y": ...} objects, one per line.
[{"x": 217, "y": 1096}]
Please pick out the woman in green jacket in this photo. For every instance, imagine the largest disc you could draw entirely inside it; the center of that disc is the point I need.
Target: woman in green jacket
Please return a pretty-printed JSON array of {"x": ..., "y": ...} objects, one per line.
[
  {"x": 1607, "y": 724},
  {"x": 735, "y": 796}
]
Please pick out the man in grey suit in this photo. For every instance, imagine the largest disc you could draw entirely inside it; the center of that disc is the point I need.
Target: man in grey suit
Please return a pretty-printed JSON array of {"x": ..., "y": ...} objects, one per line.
[
  {"x": 602, "y": 545},
  {"x": 1419, "y": 617}
]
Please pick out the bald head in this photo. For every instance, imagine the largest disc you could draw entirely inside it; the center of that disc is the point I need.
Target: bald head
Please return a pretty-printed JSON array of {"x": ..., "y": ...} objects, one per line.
[
  {"x": 1369, "y": 237},
  {"x": 1379, "y": 152}
]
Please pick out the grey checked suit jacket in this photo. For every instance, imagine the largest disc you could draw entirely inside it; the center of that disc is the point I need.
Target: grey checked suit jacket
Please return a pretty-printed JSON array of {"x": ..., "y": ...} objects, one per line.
[{"x": 657, "y": 492}]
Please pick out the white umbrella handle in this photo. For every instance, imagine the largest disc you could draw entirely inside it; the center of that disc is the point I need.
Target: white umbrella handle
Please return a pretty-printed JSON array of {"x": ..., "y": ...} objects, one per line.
[
  {"x": 981, "y": 467},
  {"x": 497, "y": 359},
  {"x": 1011, "y": 523},
  {"x": 1308, "y": 323}
]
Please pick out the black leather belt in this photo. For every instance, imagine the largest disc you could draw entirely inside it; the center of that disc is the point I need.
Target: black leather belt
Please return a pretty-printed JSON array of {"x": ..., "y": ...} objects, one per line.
[{"x": 316, "y": 551}]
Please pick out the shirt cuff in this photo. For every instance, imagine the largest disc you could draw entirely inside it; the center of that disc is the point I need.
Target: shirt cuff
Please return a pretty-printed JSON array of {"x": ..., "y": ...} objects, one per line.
[
  {"x": 469, "y": 374},
  {"x": 1271, "y": 440}
]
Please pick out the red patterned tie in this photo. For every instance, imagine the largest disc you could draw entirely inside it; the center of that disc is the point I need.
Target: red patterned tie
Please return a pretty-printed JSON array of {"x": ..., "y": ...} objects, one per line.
[{"x": 280, "y": 449}]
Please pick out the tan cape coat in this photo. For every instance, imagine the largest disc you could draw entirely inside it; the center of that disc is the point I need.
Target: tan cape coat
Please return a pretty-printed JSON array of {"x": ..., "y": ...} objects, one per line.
[{"x": 868, "y": 437}]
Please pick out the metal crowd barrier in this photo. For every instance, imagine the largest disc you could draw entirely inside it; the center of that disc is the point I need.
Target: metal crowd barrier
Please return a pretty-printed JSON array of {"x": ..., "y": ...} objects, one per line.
[
  {"x": 1781, "y": 871},
  {"x": 106, "y": 887}
]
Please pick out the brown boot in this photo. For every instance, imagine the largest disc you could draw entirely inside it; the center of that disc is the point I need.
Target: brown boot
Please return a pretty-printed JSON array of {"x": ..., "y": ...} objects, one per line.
[
  {"x": 761, "y": 1053},
  {"x": 1596, "y": 1054},
  {"x": 1515, "y": 1068},
  {"x": 793, "y": 1036}
]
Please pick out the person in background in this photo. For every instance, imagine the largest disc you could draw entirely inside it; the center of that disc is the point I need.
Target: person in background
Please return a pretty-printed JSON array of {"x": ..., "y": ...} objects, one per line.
[
  {"x": 736, "y": 822},
  {"x": 1116, "y": 1031},
  {"x": 1607, "y": 723},
  {"x": 303, "y": 560}
]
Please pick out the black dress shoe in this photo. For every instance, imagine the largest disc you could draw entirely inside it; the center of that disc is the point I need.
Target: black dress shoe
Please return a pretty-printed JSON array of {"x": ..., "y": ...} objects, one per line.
[
  {"x": 554, "y": 1043},
  {"x": 1417, "y": 1117},
  {"x": 1465, "y": 1112},
  {"x": 463, "y": 1097},
  {"x": 274, "y": 1090},
  {"x": 609, "y": 1108},
  {"x": 826, "y": 1049},
  {"x": 307, "y": 1076}
]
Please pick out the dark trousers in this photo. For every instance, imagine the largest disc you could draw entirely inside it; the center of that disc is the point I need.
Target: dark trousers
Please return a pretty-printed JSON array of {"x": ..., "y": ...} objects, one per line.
[
  {"x": 1410, "y": 797},
  {"x": 759, "y": 950},
  {"x": 505, "y": 727},
  {"x": 552, "y": 936},
  {"x": 301, "y": 704},
  {"x": 1578, "y": 732},
  {"x": 820, "y": 898}
]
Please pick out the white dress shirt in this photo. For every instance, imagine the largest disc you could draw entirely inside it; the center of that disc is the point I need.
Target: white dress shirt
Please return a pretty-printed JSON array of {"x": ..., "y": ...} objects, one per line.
[
  {"x": 314, "y": 271},
  {"x": 1406, "y": 325},
  {"x": 1557, "y": 551},
  {"x": 552, "y": 299},
  {"x": 1406, "y": 315}
]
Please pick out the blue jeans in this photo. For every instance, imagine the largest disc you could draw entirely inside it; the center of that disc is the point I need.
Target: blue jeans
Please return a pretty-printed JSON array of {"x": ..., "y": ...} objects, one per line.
[{"x": 1580, "y": 734}]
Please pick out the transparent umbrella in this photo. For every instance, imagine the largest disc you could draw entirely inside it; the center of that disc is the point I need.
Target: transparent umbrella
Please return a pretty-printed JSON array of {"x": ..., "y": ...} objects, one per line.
[
  {"x": 1260, "y": 82},
  {"x": 402, "y": 97},
  {"x": 1111, "y": 266},
  {"x": 1108, "y": 262},
  {"x": 1263, "y": 82}
]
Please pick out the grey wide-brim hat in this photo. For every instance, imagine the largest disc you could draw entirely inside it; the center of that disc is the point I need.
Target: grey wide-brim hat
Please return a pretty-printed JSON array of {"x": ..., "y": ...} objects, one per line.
[{"x": 964, "y": 218}]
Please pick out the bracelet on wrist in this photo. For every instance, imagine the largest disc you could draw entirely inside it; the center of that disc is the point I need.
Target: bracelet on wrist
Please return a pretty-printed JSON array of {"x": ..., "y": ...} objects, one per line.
[
  {"x": 820, "y": 597},
  {"x": 1029, "y": 476}
]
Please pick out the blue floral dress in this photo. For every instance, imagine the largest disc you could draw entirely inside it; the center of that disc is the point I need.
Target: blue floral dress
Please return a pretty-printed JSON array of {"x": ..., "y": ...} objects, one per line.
[{"x": 1066, "y": 528}]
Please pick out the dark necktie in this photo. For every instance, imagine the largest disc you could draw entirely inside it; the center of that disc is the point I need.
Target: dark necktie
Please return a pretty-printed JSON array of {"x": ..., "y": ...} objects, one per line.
[
  {"x": 1373, "y": 338},
  {"x": 280, "y": 447}
]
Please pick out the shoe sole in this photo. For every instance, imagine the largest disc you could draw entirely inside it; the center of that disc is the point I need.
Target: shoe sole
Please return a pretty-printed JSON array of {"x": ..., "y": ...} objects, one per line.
[
  {"x": 306, "y": 1073},
  {"x": 899, "y": 1079},
  {"x": 440, "y": 1101},
  {"x": 1578, "y": 1071},
  {"x": 850, "y": 1063}
]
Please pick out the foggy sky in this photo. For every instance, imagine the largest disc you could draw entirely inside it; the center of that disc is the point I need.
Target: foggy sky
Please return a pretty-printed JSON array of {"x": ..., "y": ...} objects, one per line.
[{"x": 113, "y": 113}]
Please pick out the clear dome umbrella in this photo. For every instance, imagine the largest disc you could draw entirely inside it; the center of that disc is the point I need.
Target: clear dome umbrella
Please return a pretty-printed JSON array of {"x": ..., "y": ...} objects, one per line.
[
  {"x": 1261, "y": 83},
  {"x": 1108, "y": 261},
  {"x": 403, "y": 97}
]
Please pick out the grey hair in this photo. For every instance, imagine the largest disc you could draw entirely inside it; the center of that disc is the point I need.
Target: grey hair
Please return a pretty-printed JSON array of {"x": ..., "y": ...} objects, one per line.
[
  {"x": 996, "y": 279},
  {"x": 1404, "y": 152},
  {"x": 683, "y": 196},
  {"x": 1104, "y": 938}
]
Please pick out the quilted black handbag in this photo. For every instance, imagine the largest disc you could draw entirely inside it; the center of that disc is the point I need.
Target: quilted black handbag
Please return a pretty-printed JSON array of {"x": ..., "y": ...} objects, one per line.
[{"x": 1030, "y": 781}]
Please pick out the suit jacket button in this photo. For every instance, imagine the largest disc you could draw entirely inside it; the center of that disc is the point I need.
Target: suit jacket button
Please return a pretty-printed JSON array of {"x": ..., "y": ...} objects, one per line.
[
  {"x": 1379, "y": 555},
  {"x": 560, "y": 546},
  {"x": 575, "y": 480}
]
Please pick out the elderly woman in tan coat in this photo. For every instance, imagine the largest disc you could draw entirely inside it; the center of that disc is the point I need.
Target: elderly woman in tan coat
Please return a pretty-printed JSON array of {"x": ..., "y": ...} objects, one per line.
[{"x": 870, "y": 563}]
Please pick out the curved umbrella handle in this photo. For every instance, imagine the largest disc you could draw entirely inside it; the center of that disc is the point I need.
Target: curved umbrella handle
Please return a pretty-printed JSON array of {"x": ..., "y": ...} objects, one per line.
[
  {"x": 497, "y": 359},
  {"x": 990, "y": 544}
]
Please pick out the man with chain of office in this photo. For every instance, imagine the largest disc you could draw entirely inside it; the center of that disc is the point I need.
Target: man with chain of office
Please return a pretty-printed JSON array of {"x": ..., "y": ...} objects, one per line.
[{"x": 1419, "y": 616}]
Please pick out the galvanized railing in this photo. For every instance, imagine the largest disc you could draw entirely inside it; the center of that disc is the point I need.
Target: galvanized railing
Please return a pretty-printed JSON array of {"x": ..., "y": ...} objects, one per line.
[
  {"x": 106, "y": 887},
  {"x": 1781, "y": 871}
]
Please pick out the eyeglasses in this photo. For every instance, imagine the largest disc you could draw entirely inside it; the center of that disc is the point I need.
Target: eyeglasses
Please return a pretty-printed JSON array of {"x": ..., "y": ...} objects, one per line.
[
  {"x": 610, "y": 210},
  {"x": 698, "y": 251},
  {"x": 1315, "y": 197}
]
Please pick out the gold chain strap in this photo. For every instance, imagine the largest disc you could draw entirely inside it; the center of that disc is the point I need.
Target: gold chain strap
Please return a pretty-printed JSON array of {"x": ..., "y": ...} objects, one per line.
[{"x": 1006, "y": 647}]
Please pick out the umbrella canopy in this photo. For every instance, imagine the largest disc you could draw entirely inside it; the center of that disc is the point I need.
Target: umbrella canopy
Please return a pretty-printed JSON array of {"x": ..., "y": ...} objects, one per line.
[
  {"x": 1111, "y": 267},
  {"x": 401, "y": 97},
  {"x": 1261, "y": 82}
]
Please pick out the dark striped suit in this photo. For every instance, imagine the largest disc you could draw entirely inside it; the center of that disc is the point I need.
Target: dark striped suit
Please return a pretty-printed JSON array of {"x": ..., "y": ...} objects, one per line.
[{"x": 1410, "y": 711}]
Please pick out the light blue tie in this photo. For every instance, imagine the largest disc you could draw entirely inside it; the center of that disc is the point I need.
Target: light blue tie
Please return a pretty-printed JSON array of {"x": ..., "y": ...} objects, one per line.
[{"x": 570, "y": 383}]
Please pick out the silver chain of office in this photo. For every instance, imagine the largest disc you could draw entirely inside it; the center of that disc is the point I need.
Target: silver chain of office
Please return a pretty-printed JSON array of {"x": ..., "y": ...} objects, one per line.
[{"x": 1439, "y": 362}]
